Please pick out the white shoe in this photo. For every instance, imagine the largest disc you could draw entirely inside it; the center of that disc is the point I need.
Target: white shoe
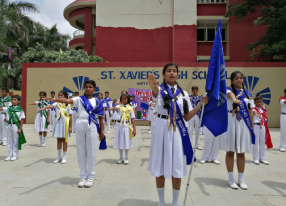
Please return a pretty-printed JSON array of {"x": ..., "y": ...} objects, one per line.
[
  {"x": 4, "y": 144},
  {"x": 256, "y": 161},
  {"x": 56, "y": 161},
  {"x": 232, "y": 184},
  {"x": 203, "y": 161},
  {"x": 43, "y": 145},
  {"x": 242, "y": 185},
  {"x": 120, "y": 161},
  {"x": 282, "y": 149},
  {"x": 14, "y": 158},
  {"x": 64, "y": 160},
  {"x": 81, "y": 183},
  {"x": 126, "y": 162},
  {"x": 161, "y": 204},
  {"x": 199, "y": 147},
  {"x": 89, "y": 182},
  {"x": 150, "y": 132},
  {"x": 8, "y": 159},
  {"x": 201, "y": 133},
  {"x": 264, "y": 162},
  {"x": 108, "y": 132},
  {"x": 216, "y": 162}
]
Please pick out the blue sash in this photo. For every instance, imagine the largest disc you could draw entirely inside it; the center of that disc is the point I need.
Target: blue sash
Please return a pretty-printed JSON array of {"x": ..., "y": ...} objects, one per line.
[
  {"x": 98, "y": 110},
  {"x": 243, "y": 110},
  {"x": 106, "y": 100},
  {"x": 187, "y": 146},
  {"x": 114, "y": 105},
  {"x": 76, "y": 109},
  {"x": 195, "y": 102}
]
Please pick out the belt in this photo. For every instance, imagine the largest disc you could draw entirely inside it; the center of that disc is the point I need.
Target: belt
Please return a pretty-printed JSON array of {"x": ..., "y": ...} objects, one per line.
[
  {"x": 256, "y": 123},
  {"x": 230, "y": 111},
  {"x": 163, "y": 116},
  {"x": 120, "y": 121},
  {"x": 283, "y": 113}
]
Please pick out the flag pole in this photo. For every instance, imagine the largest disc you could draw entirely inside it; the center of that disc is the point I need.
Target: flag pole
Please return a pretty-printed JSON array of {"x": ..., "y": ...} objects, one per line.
[{"x": 195, "y": 149}]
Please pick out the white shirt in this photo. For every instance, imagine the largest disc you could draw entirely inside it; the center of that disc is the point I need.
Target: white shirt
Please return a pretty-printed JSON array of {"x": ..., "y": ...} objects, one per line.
[
  {"x": 160, "y": 103},
  {"x": 132, "y": 116},
  {"x": 230, "y": 102},
  {"x": 283, "y": 105},
  {"x": 21, "y": 115},
  {"x": 81, "y": 110},
  {"x": 7, "y": 104},
  {"x": 255, "y": 118}
]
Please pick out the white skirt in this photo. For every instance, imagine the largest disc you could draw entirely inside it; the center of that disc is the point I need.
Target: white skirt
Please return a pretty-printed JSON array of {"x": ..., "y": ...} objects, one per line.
[
  {"x": 40, "y": 123},
  {"x": 150, "y": 115},
  {"x": 122, "y": 138},
  {"x": 237, "y": 138},
  {"x": 166, "y": 157},
  {"x": 59, "y": 129},
  {"x": 114, "y": 115}
]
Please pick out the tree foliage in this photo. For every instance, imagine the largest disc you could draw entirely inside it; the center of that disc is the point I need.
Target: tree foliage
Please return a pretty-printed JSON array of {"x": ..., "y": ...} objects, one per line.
[
  {"x": 271, "y": 46},
  {"x": 39, "y": 54}
]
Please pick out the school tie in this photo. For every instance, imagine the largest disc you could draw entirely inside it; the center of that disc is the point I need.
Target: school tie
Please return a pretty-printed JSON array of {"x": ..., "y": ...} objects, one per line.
[
  {"x": 238, "y": 116},
  {"x": 173, "y": 90}
]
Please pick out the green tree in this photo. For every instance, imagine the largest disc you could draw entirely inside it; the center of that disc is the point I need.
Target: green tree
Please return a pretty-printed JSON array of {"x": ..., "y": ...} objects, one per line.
[{"x": 271, "y": 46}]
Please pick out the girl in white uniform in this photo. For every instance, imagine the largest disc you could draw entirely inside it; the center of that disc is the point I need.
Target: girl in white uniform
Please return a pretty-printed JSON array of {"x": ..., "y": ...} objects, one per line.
[
  {"x": 89, "y": 124},
  {"x": 151, "y": 114},
  {"x": 63, "y": 126},
  {"x": 124, "y": 132},
  {"x": 239, "y": 136},
  {"x": 42, "y": 119},
  {"x": 282, "y": 102},
  {"x": 171, "y": 148}
]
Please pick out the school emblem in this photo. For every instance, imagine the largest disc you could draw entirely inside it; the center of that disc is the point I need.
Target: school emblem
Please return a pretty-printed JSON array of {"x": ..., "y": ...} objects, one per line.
[
  {"x": 79, "y": 83},
  {"x": 252, "y": 85}
]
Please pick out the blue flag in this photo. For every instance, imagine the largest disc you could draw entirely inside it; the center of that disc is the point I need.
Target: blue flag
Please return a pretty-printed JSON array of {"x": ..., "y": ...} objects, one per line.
[{"x": 216, "y": 115}]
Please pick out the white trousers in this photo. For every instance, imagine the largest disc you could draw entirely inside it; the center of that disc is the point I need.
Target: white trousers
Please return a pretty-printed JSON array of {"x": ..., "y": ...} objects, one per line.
[
  {"x": 211, "y": 146},
  {"x": 107, "y": 119},
  {"x": 86, "y": 146},
  {"x": 283, "y": 130},
  {"x": 3, "y": 136},
  {"x": 74, "y": 118},
  {"x": 12, "y": 140},
  {"x": 194, "y": 123},
  {"x": 52, "y": 119},
  {"x": 259, "y": 142}
]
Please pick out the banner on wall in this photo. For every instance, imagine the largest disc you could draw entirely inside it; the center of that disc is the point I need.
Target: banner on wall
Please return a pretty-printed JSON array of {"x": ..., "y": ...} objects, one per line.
[{"x": 142, "y": 97}]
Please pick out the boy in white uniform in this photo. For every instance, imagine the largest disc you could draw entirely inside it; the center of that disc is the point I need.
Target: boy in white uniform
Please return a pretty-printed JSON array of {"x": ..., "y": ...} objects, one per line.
[
  {"x": 282, "y": 102},
  {"x": 5, "y": 101},
  {"x": 15, "y": 136},
  {"x": 108, "y": 115}
]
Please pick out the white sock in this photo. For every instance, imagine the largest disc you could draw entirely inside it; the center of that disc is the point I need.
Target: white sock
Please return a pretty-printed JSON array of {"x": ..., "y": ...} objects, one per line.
[
  {"x": 240, "y": 176},
  {"x": 44, "y": 140},
  {"x": 161, "y": 193},
  {"x": 121, "y": 153},
  {"x": 126, "y": 154},
  {"x": 64, "y": 155},
  {"x": 175, "y": 197},
  {"x": 59, "y": 154},
  {"x": 230, "y": 176},
  {"x": 41, "y": 139}
]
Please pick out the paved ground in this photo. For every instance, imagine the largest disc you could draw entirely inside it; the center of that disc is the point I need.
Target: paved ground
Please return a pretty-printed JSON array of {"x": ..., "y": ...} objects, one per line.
[{"x": 35, "y": 180}]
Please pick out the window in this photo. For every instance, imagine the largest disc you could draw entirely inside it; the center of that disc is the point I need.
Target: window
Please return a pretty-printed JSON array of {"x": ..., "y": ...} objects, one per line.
[
  {"x": 208, "y": 32},
  {"x": 211, "y": 1}
]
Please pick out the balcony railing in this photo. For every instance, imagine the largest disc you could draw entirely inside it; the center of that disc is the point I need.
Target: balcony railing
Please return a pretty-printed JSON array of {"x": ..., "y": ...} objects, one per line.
[
  {"x": 78, "y": 33},
  {"x": 211, "y": 1}
]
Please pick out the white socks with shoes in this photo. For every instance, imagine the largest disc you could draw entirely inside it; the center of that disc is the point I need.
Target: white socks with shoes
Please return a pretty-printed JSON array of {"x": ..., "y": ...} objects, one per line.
[
  {"x": 240, "y": 176},
  {"x": 161, "y": 193},
  {"x": 59, "y": 154},
  {"x": 230, "y": 176},
  {"x": 176, "y": 194}
]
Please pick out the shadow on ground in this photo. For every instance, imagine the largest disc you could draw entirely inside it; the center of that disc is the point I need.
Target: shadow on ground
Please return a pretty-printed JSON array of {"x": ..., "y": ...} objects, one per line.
[
  {"x": 202, "y": 181},
  {"x": 46, "y": 160}
]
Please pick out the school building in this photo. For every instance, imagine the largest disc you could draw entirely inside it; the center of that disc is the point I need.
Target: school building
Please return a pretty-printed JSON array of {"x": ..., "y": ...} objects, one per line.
[{"x": 158, "y": 30}]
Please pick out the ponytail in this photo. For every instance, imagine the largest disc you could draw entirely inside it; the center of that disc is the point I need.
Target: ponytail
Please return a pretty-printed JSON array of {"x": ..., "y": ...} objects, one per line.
[
  {"x": 167, "y": 100},
  {"x": 185, "y": 103}
]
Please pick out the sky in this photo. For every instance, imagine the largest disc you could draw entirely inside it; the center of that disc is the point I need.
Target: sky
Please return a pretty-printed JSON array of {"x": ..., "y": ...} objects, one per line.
[{"x": 51, "y": 13}]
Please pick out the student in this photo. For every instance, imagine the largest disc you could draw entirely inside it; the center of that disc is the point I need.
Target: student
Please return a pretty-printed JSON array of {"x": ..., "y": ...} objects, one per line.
[
  {"x": 74, "y": 114},
  {"x": 42, "y": 119},
  {"x": 261, "y": 131},
  {"x": 211, "y": 148},
  {"x": 15, "y": 136},
  {"x": 195, "y": 121},
  {"x": 134, "y": 105},
  {"x": 108, "y": 115},
  {"x": 239, "y": 135},
  {"x": 88, "y": 126},
  {"x": 114, "y": 116},
  {"x": 282, "y": 102},
  {"x": 124, "y": 132},
  {"x": 52, "y": 113},
  {"x": 100, "y": 97},
  {"x": 5, "y": 101},
  {"x": 170, "y": 149},
  {"x": 151, "y": 113},
  {"x": 63, "y": 126}
]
